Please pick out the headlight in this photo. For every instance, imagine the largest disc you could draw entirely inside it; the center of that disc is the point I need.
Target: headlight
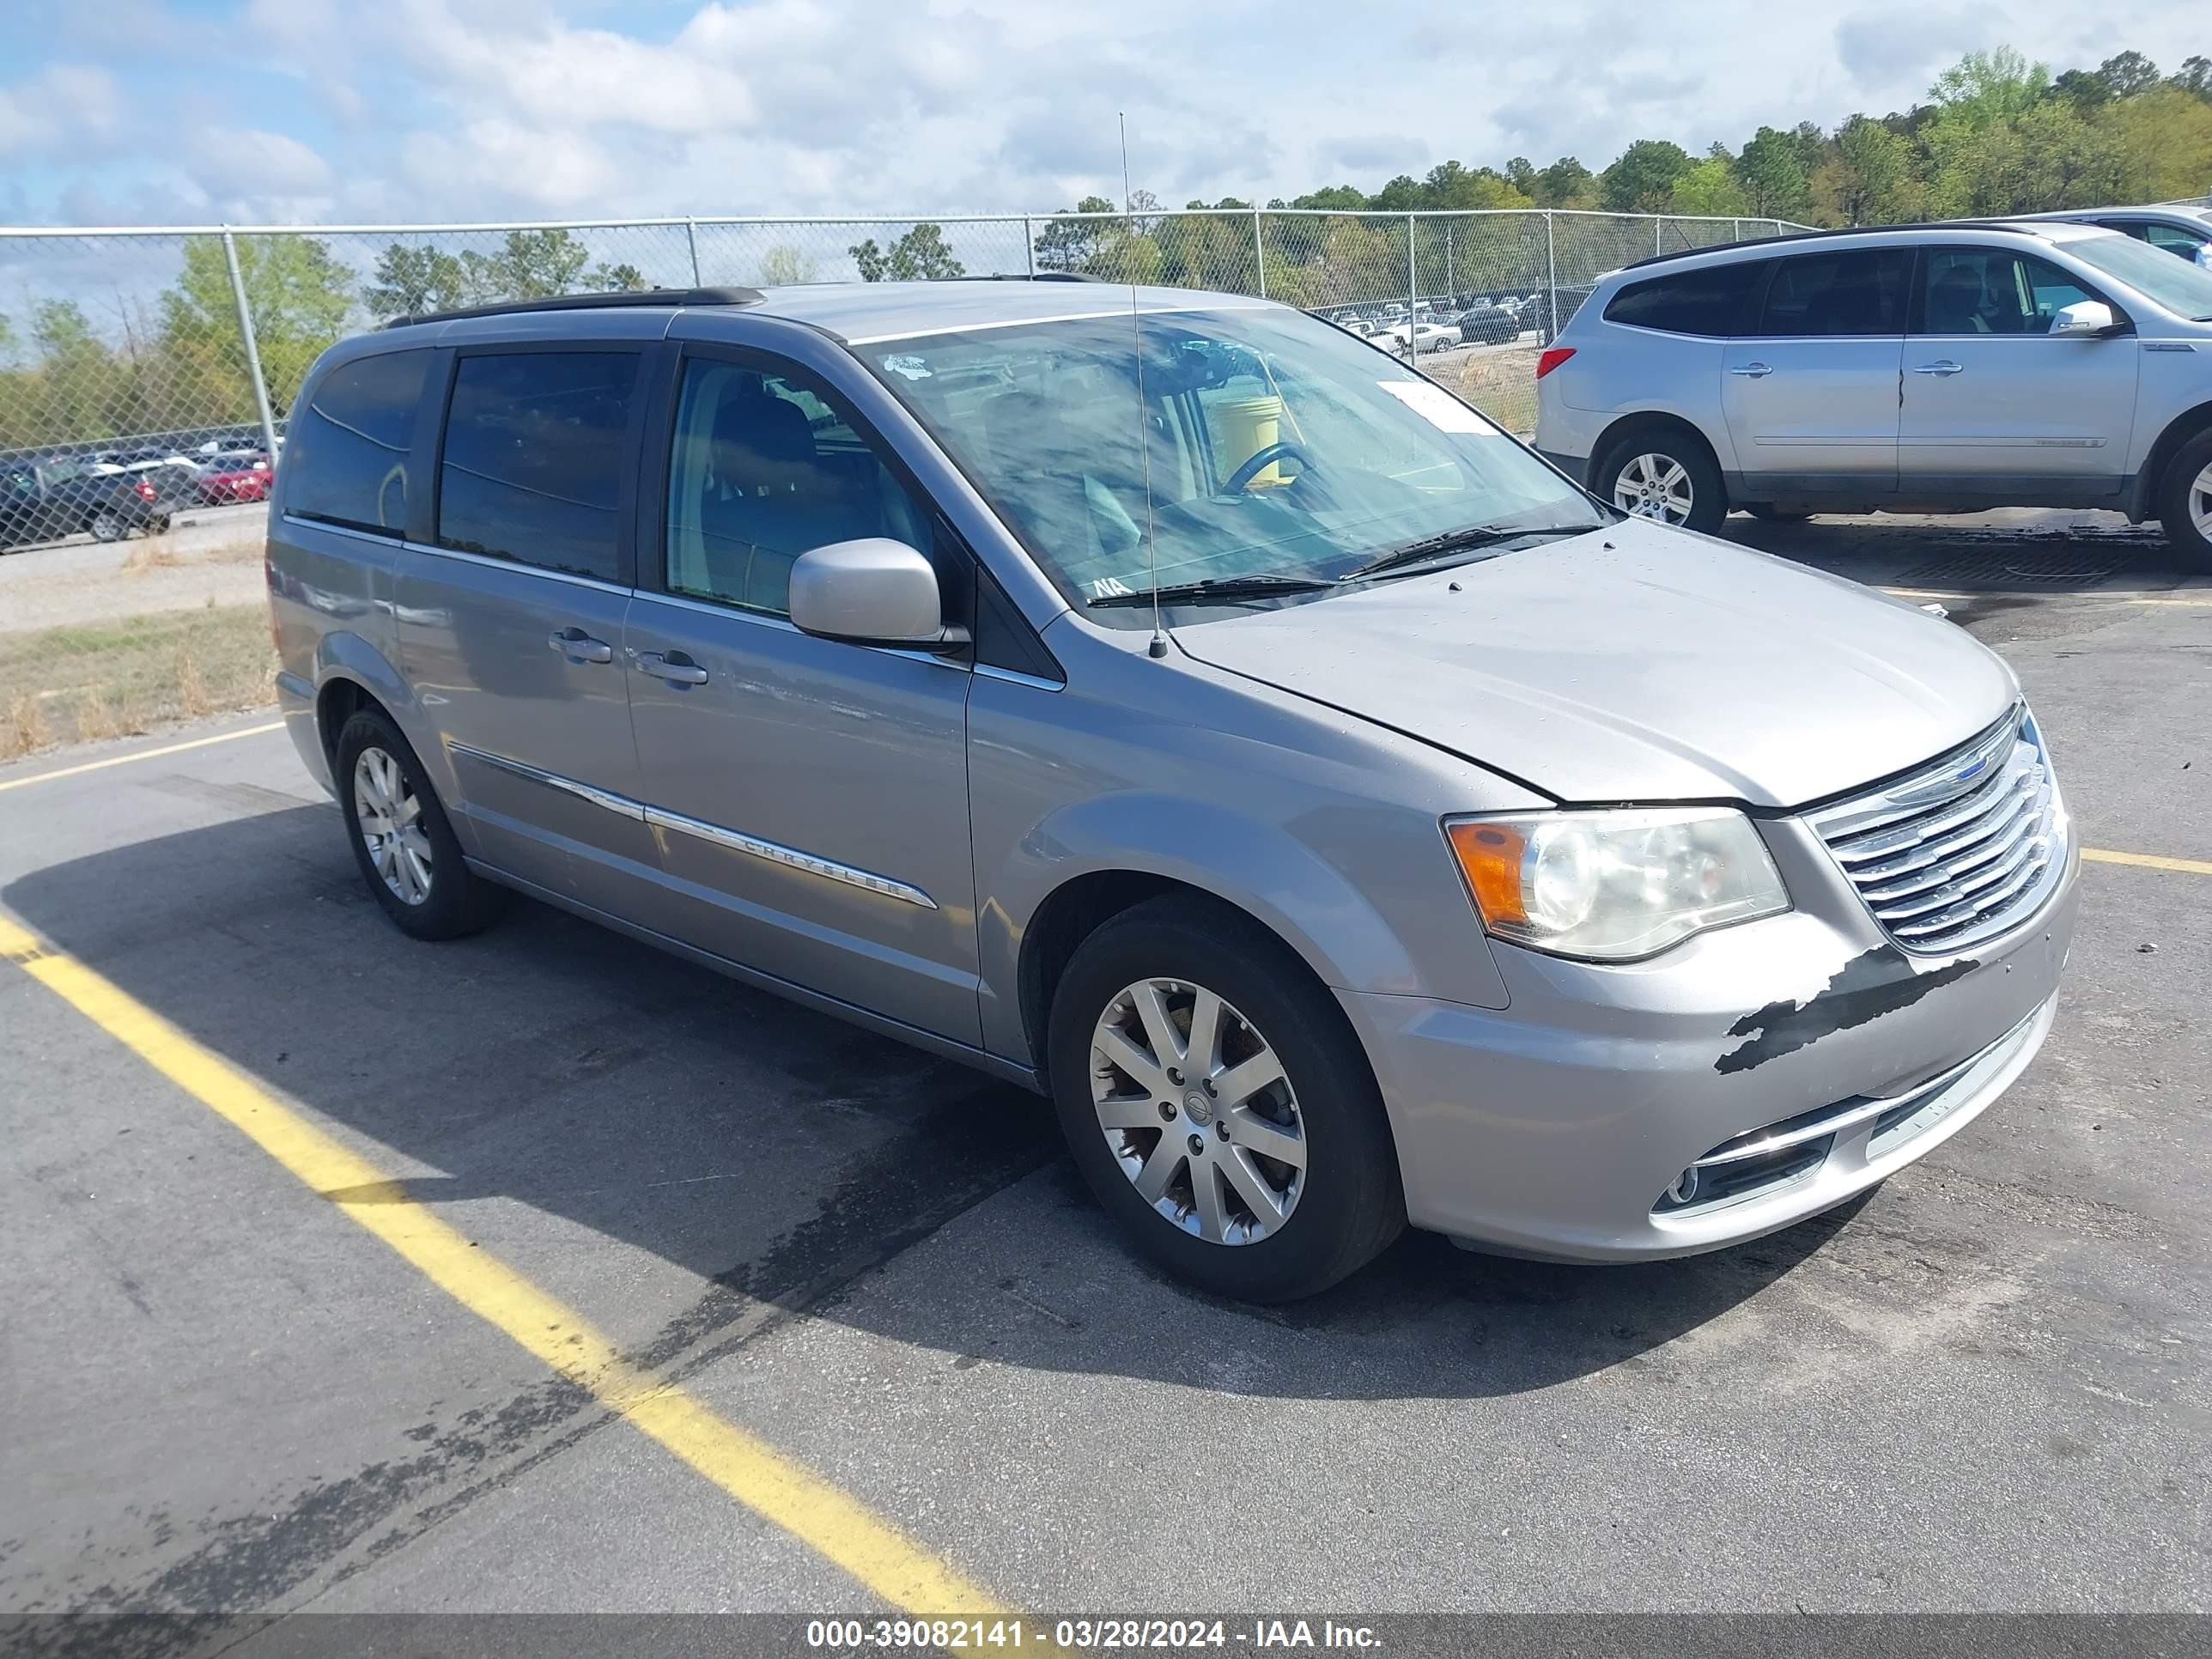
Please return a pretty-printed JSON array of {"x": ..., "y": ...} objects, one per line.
[{"x": 1614, "y": 886}]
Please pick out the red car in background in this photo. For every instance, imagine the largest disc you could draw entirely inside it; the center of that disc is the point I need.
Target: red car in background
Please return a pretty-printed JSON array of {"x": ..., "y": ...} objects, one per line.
[{"x": 240, "y": 477}]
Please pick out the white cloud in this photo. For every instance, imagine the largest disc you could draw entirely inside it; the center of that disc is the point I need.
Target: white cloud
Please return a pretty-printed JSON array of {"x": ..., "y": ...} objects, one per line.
[{"x": 425, "y": 109}]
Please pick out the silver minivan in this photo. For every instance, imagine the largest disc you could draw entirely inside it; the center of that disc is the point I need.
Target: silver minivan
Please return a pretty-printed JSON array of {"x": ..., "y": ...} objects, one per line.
[
  {"x": 1173, "y": 704},
  {"x": 1947, "y": 367}
]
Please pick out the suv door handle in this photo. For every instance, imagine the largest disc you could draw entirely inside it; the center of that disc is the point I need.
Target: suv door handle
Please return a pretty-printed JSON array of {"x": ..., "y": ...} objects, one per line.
[
  {"x": 577, "y": 646},
  {"x": 1756, "y": 370},
  {"x": 1945, "y": 367},
  {"x": 674, "y": 667}
]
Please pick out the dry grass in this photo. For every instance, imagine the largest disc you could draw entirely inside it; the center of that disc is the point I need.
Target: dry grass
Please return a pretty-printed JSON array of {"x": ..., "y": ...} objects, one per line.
[
  {"x": 1503, "y": 386},
  {"x": 154, "y": 553},
  {"x": 105, "y": 679}
]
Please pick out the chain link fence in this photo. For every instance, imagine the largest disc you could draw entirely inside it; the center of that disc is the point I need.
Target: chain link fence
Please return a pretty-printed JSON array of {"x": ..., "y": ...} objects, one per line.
[{"x": 146, "y": 375}]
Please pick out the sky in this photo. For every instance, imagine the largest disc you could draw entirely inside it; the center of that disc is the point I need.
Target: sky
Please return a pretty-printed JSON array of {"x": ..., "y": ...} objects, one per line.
[{"x": 160, "y": 111}]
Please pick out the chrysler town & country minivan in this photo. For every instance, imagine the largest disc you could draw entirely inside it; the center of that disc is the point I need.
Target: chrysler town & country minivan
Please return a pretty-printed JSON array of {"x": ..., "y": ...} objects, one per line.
[{"x": 1171, "y": 703}]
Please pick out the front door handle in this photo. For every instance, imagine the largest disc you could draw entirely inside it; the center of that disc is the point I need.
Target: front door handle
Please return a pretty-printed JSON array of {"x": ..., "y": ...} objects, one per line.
[
  {"x": 673, "y": 667},
  {"x": 1754, "y": 371},
  {"x": 577, "y": 646},
  {"x": 1945, "y": 367}
]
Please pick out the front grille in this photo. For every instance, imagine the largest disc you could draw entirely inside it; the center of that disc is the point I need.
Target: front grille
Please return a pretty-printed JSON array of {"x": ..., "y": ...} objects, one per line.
[{"x": 1960, "y": 850}]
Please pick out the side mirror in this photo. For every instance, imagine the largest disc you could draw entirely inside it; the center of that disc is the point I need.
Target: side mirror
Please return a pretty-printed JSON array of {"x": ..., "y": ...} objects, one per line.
[
  {"x": 2085, "y": 320},
  {"x": 873, "y": 592}
]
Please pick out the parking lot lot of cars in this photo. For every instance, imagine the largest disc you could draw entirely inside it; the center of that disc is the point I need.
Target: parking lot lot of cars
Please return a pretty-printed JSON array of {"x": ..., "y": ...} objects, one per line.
[{"x": 280, "y": 1187}]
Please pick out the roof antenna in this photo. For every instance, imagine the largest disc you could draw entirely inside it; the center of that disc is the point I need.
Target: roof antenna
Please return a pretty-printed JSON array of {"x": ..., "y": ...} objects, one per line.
[{"x": 1158, "y": 645}]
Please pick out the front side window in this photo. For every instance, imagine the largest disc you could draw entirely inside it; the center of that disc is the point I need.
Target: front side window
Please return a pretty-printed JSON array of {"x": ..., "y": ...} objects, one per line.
[
  {"x": 346, "y": 448},
  {"x": 2174, "y": 285},
  {"x": 1263, "y": 443},
  {"x": 1822, "y": 296},
  {"x": 1986, "y": 290},
  {"x": 2175, "y": 240},
  {"x": 1714, "y": 301},
  {"x": 532, "y": 470},
  {"x": 765, "y": 467}
]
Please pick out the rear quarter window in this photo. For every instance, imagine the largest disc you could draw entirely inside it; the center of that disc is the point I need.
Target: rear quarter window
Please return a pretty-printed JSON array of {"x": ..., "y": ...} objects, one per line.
[
  {"x": 1713, "y": 302},
  {"x": 346, "y": 449}
]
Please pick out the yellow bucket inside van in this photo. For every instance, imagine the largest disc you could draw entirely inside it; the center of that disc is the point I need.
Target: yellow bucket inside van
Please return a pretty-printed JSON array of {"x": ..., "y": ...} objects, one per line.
[{"x": 1242, "y": 427}]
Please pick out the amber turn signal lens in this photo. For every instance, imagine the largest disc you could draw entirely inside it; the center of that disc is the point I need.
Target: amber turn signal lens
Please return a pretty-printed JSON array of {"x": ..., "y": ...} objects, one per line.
[{"x": 1490, "y": 856}]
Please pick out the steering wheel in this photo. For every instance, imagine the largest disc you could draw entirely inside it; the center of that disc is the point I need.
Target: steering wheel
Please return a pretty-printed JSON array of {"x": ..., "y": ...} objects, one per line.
[{"x": 1240, "y": 479}]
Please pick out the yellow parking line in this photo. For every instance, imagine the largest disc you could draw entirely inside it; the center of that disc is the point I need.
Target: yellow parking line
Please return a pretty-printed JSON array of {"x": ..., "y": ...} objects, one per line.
[
  {"x": 136, "y": 754},
  {"x": 822, "y": 1516},
  {"x": 2149, "y": 860}
]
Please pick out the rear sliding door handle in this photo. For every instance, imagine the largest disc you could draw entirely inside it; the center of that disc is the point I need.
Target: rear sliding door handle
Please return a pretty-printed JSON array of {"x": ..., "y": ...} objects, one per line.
[
  {"x": 1945, "y": 367},
  {"x": 675, "y": 668},
  {"x": 1754, "y": 371},
  {"x": 577, "y": 646}
]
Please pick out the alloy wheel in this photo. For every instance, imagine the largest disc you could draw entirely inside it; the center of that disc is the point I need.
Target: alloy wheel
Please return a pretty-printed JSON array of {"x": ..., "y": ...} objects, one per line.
[
  {"x": 2199, "y": 503},
  {"x": 1197, "y": 1111},
  {"x": 1654, "y": 487},
  {"x": 390, "y": 815}
]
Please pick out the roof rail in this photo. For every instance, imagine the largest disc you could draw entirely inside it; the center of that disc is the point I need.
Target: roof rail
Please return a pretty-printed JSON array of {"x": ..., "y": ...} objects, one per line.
[
  {"x": 1032, "y": 277},
  {"x": 641, "y": 297},
  {"x": 1845, "y": 230}
]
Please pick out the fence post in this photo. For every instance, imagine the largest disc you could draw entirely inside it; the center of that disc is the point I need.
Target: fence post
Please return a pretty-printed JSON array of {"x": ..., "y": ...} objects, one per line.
[
  {"x": 1028, "y": 242},
  {"x": 1551, "y": 280},
  {"x": 691, "y": 235},
  {"x": 1658, "y": 230},
  {"x": 1413, "y": 297},
  {"x": 253, "y": 351},
  {"x": 1736, "y": 230},
  {"x": 1260, "y": 253}
]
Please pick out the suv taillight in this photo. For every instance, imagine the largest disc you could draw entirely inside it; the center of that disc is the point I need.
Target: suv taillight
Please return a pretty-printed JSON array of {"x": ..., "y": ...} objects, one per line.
[{"x": 1551, "y": 359}]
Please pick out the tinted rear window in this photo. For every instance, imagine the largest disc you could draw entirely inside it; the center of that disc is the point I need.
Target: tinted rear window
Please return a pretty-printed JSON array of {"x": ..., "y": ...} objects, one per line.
[
  {"x": 1825, "y": 295},
  {"x": 1715, "y": 300},
  {"x": 532, "y": 465},
  {"x": 346, "y": 448}
]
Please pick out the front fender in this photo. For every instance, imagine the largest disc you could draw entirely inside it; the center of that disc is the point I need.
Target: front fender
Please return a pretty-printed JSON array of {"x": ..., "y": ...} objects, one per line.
[{"x": 1283, "y": 881}]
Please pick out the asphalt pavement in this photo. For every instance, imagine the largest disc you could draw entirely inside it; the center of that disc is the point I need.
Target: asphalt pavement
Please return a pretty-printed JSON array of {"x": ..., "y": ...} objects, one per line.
[{"x": 1984, "y": 1387}]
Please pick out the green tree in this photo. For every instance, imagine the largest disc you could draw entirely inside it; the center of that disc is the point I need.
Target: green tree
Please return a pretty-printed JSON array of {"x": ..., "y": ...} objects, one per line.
[
  {"x": 1334, "y": 198},
  {"x": 1708, "y": 188},
  {"x": 1772, "y": 173},
  {"x": 1520, "y": 173},
  {"x": 1985, "y": 88},
  {"x": 1642, "y": 176},
  {"x": 1065, "y": 244},
  {"x": 1451, "y": 185},
  {"x": 2128, "y": 73},
  {"x": 2083, "y": 89},
  {"x": 1401, "y": 195},
  {"x": 921, "y": 255},
  {"x": 1868, "y": 180},
  {"x": 624, "y": 278},
  {"x": 1566, "y": 184},
  {"x": 2163, "y": 138},
  {"x": 409, "y": 281},
  {"x": 530, "y": 264},
  {"x": 785, "y": 266},
  {"x": 2194, "y": 77},
  {"x": 298, "y": 296}
]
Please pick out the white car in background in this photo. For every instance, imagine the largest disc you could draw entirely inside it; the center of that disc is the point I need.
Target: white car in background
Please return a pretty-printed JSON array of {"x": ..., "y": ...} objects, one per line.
[
  {"x": 2177, "y": 229},
  {"x": 1426, "y": 337}
]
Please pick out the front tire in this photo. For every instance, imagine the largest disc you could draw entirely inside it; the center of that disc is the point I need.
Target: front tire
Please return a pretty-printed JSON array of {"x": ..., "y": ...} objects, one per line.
[
  {"x": 1218, "y": 1104},
  {"x": 1665, "y": 475},
  {"x": 401, "y": 841},
  {"x": 2185, "y": 500}
]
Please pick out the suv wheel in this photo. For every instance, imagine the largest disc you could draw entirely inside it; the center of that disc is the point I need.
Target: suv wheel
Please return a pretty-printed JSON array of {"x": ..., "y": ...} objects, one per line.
[
  {"x": 2184, "y": 499},
  {"x": 401, "y": 839},
  {"x": 1218, "y": 1105},
  {"x": 1665, "y": 477},
  {"x": 105, "y": 525}
]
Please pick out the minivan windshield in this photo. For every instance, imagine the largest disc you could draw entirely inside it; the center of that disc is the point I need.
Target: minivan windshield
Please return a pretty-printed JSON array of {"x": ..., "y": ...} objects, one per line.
[
  {"x": 2175, "y": 285},
  {"x": 1273, "y": 447}
]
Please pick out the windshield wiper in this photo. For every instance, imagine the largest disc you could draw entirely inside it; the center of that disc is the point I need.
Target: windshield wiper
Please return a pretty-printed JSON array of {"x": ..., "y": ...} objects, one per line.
[
  {"x": 1453, "y": 541},
  {"x": 1261, "y": 586}
]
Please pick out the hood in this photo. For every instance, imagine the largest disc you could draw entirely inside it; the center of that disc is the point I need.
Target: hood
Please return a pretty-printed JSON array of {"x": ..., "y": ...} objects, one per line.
[{"x": 1635, "y": 664}]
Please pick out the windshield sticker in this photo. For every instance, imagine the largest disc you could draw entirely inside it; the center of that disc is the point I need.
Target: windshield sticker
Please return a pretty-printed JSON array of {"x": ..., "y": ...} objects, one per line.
[
  {"x": 1438, "y": 407},
  {"x": 906, "y": 365},
  {"x": 1107, "y": 585}
]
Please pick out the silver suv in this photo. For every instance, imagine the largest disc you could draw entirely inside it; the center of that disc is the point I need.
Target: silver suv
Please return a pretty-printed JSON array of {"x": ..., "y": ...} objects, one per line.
[
  {"x": 1931, "y": 367},
  {"x": 1170, "y": 703}
]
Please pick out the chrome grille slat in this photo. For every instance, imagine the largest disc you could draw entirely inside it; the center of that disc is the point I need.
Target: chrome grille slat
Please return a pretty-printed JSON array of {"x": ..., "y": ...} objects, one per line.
[{"x": 1958, "y": 850}]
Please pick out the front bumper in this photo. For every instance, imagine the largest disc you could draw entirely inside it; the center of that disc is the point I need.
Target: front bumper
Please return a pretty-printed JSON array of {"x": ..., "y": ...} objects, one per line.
[{"x": 1553, "y": 1128}]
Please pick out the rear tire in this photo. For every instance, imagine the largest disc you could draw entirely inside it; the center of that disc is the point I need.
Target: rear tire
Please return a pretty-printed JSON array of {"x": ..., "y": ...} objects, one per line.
[
  {"x": 1265, "y": 1229},
  {"x": 106, "y": 526},
  {"x": 2185, "y": 500},
  {"x": 401, "y": 839},
  {"x": 1666, "y": 474}
]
